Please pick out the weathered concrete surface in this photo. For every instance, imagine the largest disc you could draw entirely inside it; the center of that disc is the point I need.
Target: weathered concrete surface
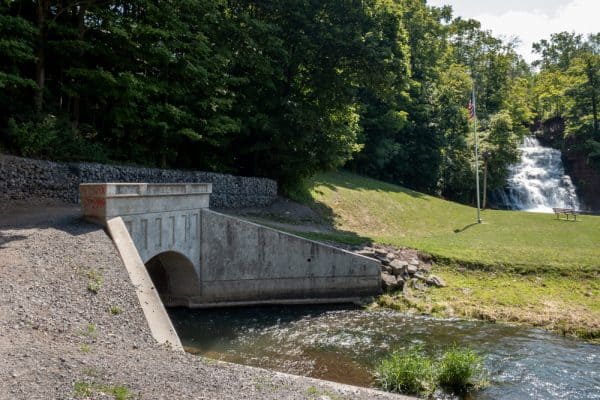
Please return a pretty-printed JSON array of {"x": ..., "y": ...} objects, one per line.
[
  {"x": 249, "y": 263},
  {"x": 154, "y": 310},
  {"x": 200, "y": 258},
  {"x": 159, "y": 217}
]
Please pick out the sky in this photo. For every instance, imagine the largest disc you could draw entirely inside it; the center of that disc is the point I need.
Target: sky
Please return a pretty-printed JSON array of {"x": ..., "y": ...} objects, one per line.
[{"x": 529, "y": 20}]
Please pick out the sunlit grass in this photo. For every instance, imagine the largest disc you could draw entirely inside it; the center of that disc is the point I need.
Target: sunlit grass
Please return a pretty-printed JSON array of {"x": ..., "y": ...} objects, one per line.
[
  {"x": 516, "y": 266},
  {"x": 506, "y": 240}
]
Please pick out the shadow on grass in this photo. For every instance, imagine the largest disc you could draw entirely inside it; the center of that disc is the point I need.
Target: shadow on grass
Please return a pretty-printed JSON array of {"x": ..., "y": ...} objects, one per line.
[
  {"x": 347, "y": 180},
  {"x": 464, "y": 228}
]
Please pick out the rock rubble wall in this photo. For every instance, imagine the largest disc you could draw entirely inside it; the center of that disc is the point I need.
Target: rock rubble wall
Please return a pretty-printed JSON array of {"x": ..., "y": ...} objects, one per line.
[{"x": 23, "y": 178}]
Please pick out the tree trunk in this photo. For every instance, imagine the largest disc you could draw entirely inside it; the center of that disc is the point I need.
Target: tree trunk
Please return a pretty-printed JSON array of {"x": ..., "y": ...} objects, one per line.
[
  {"x": 40, "y": 63},
  {"x": 80, "y": 35},
  {"x": 595, "y": 113}
]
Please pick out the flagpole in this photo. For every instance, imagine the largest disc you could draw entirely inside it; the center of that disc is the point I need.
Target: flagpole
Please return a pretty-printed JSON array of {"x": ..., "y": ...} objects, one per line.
[{"x": 476, "y": 155}]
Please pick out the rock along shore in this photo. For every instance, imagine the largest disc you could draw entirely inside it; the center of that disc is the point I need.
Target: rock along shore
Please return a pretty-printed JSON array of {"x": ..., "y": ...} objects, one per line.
[{"x": 71, "y": 325}]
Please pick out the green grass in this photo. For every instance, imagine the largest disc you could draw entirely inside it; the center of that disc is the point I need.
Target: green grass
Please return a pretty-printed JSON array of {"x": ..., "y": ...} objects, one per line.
[
  {"x": 516, "y": 266},
  {"x": 567, "y": 305},
  {"x": 115, "y": 310},
  {"x": 459, "y": 369},
  {"x": 82, "y": 389},
  {"x": 95, "y": 281},
  {"x": 409, "y": 372},
  {"x": 363, "y": 208}
]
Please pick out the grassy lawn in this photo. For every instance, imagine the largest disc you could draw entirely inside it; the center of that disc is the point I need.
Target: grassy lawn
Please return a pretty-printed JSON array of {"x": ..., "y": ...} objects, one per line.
[
  {"x": 506, "y": 240},
  {"x": 515, "y": 266}
]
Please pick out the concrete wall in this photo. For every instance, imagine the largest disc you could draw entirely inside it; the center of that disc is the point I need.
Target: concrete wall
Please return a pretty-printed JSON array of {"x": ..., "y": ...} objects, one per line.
[
  {"x": 200, "y": 258},
  {"x": 24, "y": 179},
  {"x": 249, "y": 263}
]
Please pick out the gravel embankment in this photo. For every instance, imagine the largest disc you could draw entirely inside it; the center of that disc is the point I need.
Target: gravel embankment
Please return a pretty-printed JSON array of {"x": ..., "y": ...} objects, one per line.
[{"x": 59, "y": 340}]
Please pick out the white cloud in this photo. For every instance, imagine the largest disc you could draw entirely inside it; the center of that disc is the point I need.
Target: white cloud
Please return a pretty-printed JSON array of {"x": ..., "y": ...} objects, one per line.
[{"x": 580, "y": 16}]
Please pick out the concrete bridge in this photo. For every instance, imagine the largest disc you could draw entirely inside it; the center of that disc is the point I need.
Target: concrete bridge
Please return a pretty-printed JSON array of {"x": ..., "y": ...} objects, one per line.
[{"x": 200, "y": 258}]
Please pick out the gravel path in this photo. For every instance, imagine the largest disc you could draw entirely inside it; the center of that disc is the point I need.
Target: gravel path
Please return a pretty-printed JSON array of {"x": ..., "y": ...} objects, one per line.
[{"x": 60, "y": 340}]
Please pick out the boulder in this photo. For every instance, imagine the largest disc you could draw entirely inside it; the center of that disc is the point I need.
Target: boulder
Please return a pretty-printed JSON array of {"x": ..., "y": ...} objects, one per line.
[
  {"x": 367, "y": 253},
  {"x": 400, "y": 282},
  {"x": 425, "y": 268},
  {"x": 420, "y": 276},
  {"x": 435, "y": 281},
  {"x": 398, "y": 267},
  {"x": 380, "y": 252},
  {"x": 411, "y": 269},
  {"x": 389, "y": 282}
]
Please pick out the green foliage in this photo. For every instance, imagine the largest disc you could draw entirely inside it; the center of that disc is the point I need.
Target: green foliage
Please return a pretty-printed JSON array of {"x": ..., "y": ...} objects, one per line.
[
  {"x": 276, "y": 88},
  {"x": 34, "y": 139},
  {"x": 90, "y": 331},
  {"x": 459, "y": 369},
  {"x": 115, "y": 310},
  {"x": 568, "y": 89},
  {"x": 410, "y": 372},
  {"x": 95, "y": 281},
  {"x": 83, "y": 389},
  {"x": 413, "y": 372},
  {"x": 53, "y": 138},
  {"x": 593, "y": 151},
  {"x": 501, "y": 143}
]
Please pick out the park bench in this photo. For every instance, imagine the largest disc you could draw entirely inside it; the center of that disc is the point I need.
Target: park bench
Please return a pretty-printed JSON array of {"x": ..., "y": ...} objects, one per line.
[{"x": 566, "y": 212}]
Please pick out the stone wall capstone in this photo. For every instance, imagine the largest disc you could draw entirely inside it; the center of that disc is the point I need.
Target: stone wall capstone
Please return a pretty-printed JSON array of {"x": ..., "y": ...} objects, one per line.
[{"x": 23, "y": 178}]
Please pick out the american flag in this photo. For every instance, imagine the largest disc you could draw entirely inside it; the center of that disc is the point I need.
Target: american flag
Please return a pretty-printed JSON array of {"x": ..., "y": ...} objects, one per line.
[{"x": 471, "y": 108}]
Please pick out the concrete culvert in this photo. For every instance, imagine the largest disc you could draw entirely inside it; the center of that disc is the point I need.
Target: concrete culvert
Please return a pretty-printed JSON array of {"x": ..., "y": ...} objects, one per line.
[{"x": 174, "y": 277}]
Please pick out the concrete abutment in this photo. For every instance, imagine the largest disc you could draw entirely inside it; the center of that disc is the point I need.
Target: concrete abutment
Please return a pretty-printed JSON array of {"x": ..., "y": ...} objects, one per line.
[{"x": 200, "y": 258}]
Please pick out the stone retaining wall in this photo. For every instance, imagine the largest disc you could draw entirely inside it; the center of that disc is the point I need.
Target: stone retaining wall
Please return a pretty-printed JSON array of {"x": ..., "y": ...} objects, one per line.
[{"x": 23, "y": 178}]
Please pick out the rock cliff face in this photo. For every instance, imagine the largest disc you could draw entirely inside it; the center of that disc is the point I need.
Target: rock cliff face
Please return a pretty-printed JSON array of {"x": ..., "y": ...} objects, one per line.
[{"x": 585, "y": 178}]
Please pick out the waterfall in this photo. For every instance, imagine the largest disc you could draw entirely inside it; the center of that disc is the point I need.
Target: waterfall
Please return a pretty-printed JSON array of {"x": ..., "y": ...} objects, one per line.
[{"x": 538, "y": 182}]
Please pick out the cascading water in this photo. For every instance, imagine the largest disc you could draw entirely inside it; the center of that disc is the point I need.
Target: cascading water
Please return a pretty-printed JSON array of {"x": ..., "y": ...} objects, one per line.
[{"x": 538, "y": 183}]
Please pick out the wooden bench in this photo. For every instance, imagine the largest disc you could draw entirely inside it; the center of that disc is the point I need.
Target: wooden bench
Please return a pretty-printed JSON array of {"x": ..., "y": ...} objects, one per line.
[{"x": 566, "y": 212}]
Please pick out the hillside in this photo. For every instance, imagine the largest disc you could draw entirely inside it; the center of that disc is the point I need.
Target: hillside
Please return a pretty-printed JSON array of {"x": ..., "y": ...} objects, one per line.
[
  {"x": 515, "y": 267},
  {"x": 511, "y": 241}
]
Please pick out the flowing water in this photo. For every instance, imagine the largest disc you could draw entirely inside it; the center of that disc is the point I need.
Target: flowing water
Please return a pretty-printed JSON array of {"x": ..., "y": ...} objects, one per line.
[
  {"x": 538, "y": 182},
  {"x": 344, "y": 345}
]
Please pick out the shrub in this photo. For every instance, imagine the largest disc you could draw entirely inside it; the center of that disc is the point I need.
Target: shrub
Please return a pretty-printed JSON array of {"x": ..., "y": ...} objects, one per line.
[
  {"x": 408, "y": 372},
  {"x": 34, "y": 139},
  {"x": 54, "y": 138},
  {"x": 459, "y": 369}
]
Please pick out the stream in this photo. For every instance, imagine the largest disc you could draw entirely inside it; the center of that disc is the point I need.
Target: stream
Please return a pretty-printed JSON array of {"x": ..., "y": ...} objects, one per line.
[{"x": 344, "y": 344}]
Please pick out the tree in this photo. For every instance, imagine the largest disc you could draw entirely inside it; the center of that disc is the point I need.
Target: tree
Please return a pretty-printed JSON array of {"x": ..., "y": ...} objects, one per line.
[
  {"x": 17, "y": 41},
  {"x": 558, "y": 52},
  {"x": 501, "y": 142}
]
